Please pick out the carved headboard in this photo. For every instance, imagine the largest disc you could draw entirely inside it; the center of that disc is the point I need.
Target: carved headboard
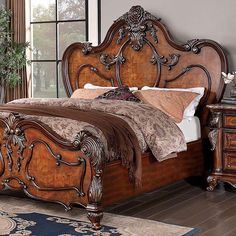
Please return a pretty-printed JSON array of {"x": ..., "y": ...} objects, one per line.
[{"x": 138, "y": 50}]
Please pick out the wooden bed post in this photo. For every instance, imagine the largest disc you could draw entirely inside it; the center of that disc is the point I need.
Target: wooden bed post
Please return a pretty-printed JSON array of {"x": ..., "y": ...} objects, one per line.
[{"x": 93, "y": 148}]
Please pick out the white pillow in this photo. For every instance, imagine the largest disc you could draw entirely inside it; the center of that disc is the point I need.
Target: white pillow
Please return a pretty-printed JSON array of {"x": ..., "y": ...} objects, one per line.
[
  {"x": 191, "y": 108},
  {"x": 91, "y": 86}
]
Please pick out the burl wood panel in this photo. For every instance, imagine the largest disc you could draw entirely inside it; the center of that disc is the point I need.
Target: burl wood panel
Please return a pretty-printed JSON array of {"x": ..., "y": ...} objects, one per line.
[
  {"x": 229, "y": 120},
  {"x": 46, "y": 170},
  {"x": 229, "y": 161},
  {"x": 229, "y": 139}
]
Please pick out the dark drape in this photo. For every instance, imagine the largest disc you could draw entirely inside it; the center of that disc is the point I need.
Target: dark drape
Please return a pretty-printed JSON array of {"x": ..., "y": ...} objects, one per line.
[{"x": 18, "y": 27}]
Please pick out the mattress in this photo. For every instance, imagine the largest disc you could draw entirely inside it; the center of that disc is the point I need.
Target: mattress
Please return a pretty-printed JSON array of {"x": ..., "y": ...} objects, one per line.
[{"x": 191, "y": 128}]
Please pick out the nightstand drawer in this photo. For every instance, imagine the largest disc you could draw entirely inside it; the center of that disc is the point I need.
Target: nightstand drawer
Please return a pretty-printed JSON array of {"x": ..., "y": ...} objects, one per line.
[
  {"x": 229, "y": 161},
  {"x": 229, "y": 121},
  {"x": 229, "y": 140}
]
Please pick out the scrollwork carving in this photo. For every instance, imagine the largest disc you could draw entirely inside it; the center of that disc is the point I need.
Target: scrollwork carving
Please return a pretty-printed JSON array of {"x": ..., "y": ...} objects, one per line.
[
  {"x": 96, "y": 71},
  {"x": 192, "y": 45},
  {"x": 14, "y": 136},
  {"x": 168, "y": 62},
  {"x": 190, "y": 68},
  {"x": 6, "y": 182},
  {"x": 121, "y": 35},
  {"x": 58, "y": 161},
  {"x": 108, "y": 60}
]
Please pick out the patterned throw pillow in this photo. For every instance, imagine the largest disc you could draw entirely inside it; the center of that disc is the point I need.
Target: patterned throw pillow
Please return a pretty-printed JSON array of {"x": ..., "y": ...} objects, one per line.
[{"x": 120, "y": 93}]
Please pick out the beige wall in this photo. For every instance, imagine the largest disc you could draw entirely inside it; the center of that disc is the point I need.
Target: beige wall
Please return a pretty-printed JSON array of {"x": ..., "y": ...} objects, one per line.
[
  {"x": 2, "y": 3},
  {"x": 186, "y": 19}
]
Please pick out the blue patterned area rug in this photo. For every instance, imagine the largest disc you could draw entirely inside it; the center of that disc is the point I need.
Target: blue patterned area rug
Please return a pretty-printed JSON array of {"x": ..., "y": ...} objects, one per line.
[{"x": 23, "y": 216}]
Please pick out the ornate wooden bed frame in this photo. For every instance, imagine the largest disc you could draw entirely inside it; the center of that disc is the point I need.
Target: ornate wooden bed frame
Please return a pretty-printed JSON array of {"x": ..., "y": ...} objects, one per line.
[{"x": 138, "y": 50}]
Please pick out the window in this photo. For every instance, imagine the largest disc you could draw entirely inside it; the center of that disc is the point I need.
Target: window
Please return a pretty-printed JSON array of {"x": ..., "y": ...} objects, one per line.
[{"x": 54, "y": 25}]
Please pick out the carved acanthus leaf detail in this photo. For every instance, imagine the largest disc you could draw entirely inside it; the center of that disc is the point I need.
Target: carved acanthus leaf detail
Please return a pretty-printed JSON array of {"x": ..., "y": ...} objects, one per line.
[
  {"x": 213, "y": 138},
  {"x": 95, "y": 190},
  {"x": 14, "y": 136},
  {"x": 169, "y": 62},
  {"x": 92, "y": 147},
  {"x": 108, "y": 61}
]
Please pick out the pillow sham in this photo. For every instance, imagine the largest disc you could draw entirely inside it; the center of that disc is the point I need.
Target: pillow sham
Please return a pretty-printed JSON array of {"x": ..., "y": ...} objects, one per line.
[
  {"x": 88, "y": 93},
  {"x": 121, "y": 93},
  {"x": 173, "y": 103},
  {"x": 91, "y": 86},
  {"x": 191, "y": 108}
]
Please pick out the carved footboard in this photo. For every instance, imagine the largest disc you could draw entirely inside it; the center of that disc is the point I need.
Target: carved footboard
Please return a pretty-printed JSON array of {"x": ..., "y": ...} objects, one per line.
[{"x": 36, "y": 160}]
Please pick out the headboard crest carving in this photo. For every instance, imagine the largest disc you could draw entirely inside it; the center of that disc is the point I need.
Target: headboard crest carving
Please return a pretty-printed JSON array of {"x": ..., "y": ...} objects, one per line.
[
  {"x": 137, "y": 26},
  {"x": 138, "y": 50}
]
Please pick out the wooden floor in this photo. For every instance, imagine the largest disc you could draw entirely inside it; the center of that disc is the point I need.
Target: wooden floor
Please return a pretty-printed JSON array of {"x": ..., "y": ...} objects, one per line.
[{"x": 186, "y": 203}]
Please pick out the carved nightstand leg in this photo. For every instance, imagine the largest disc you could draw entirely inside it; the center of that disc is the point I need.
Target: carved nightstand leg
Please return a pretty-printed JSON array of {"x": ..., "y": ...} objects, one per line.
[
  {"x": 95, "y": 215},
  {"x": 212, "y": 182}
]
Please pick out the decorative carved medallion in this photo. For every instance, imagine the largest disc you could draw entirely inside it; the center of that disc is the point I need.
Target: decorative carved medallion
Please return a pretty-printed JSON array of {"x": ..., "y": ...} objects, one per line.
[{"x": 137, "y": 26}]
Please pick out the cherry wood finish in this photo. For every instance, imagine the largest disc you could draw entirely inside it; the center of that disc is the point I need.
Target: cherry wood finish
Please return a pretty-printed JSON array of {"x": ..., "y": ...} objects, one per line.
[
  {"x": 138, "y": 50},
  {"x": 155, "y": 174},
  {"x": 223, "y": 136}
]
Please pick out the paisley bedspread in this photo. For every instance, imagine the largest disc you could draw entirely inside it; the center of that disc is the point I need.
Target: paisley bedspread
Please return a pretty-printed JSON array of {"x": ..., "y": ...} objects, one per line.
[{"x": 154, "y": 129}]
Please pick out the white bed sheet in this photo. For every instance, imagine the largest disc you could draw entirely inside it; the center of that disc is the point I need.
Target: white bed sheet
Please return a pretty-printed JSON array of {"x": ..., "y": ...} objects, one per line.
[{"x": 191, "y": 128}]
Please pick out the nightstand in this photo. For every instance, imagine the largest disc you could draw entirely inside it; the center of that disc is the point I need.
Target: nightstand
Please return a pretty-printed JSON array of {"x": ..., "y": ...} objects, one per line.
[{"x": 222, "y": 136}]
